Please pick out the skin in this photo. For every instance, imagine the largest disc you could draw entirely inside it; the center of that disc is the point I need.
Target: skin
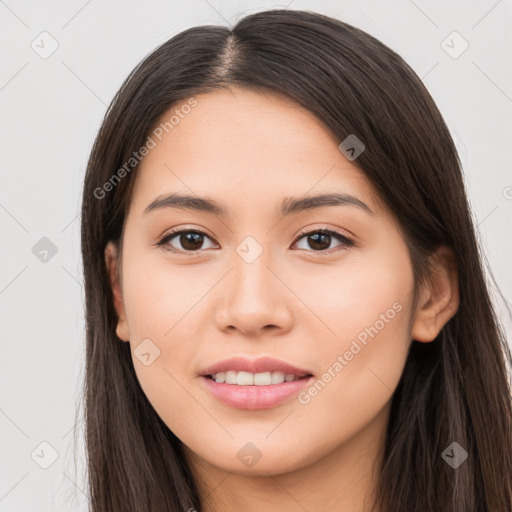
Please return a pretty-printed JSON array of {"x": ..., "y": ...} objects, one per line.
[{"x": 249, "y": 150}]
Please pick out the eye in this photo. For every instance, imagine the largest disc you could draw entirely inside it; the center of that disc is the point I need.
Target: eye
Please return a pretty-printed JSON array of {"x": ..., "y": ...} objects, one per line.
[
  {"x": 191, "y": 240},
  {"x": 320, "y": 238}
]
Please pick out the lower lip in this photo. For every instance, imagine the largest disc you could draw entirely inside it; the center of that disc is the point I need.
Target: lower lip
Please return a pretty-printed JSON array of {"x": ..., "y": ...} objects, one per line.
[{"x": 254, "y": 397}]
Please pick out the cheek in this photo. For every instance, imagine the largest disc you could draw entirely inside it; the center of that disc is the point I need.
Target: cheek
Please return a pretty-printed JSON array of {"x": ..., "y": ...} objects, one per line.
[
  {"x": 348, "y": 300},
  {"x": 361, "y": 364},
  {"x": 162, "y": 304},
  {"x": 159, "y": 295}
]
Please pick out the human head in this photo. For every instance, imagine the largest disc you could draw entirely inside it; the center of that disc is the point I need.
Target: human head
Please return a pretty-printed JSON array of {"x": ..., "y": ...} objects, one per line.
[{"x": 347, "y": 83}]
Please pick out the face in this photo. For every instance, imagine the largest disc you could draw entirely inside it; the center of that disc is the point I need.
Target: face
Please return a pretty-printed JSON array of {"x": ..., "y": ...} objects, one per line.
[{"x": 254, "y": 281}]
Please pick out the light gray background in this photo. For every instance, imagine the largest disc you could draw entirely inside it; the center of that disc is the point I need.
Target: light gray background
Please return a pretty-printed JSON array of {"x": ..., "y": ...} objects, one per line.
[{"x": 51, "y": 111}]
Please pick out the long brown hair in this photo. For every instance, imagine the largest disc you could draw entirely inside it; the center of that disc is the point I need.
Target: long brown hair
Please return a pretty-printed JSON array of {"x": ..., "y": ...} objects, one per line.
[{"x": 454, "y": 389}]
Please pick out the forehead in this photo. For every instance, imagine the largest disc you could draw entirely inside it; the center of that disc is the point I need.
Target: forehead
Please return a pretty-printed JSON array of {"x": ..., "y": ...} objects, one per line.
[{"x": 245, "y": 147}]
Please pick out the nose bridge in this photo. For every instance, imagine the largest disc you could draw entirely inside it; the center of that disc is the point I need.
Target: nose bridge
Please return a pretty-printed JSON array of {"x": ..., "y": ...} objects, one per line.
[
  {"x": 253, "y": 299},
  {"x": 251, "y": 275}
]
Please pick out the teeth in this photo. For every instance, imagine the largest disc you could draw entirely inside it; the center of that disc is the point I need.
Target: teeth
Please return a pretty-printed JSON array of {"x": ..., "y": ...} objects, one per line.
[
  {"x": 220, "y": 377},
  {"x": 253, "y": 379},
  {"x": 277, "y": 377}
]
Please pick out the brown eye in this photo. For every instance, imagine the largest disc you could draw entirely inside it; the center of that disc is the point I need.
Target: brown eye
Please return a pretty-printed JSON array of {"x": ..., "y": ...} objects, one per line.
[
  {"x": 189, "y": 240},
  {"x": 320, "y": 239}
]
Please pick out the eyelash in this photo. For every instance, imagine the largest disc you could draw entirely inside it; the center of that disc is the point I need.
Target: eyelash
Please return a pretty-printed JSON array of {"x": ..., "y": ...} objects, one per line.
[{"x": 173, "y": 233}]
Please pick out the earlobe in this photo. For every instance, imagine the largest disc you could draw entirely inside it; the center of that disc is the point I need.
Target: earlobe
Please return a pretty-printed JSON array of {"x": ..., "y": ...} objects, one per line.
[
  {"x": 112, "y": 263},
  {"x": 439, "y": 298}
]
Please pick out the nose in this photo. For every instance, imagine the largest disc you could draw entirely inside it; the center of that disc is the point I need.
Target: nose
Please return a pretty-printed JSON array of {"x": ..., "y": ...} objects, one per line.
[{"x": 255, "y": 301}]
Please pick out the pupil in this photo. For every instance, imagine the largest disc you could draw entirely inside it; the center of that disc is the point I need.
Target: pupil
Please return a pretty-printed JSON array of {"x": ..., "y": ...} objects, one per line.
[
  {"x": 189, "y": 244},
  {"x": 315, "y": 239}
]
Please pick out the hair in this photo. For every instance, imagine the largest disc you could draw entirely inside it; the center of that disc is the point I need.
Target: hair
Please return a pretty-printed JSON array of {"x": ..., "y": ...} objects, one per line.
[{"x": 454, "y": 389}]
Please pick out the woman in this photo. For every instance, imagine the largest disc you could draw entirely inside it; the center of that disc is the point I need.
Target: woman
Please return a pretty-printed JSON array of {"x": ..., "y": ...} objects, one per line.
[{"x": 285, "y": 302}]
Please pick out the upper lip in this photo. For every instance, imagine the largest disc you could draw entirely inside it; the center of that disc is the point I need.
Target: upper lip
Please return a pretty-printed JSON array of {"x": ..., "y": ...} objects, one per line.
[{"x": 261, "y": 365}]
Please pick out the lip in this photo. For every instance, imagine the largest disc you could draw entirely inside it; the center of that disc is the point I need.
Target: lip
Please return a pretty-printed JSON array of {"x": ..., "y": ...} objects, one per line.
[
  {"x": 260, "y": 365},
  {"x": 254, "y": 397}
]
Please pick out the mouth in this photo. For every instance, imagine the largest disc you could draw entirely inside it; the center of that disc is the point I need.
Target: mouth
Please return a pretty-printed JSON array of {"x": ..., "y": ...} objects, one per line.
[
  {"x": 264, "y": 370},
  {"x": 254, "y": 379},
  {"x": 254, "y": 384},
  {"x": 254, "y": 396}
]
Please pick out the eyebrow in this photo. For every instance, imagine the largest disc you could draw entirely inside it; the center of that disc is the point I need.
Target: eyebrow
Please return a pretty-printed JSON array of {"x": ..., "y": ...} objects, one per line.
[{"x": 288, "y": 206}]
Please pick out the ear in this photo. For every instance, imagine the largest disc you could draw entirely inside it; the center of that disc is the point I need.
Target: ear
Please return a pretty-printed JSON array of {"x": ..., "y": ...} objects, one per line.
[
  {"x": 439, "y": 298},
  {"x": 113, "y": 269}
]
